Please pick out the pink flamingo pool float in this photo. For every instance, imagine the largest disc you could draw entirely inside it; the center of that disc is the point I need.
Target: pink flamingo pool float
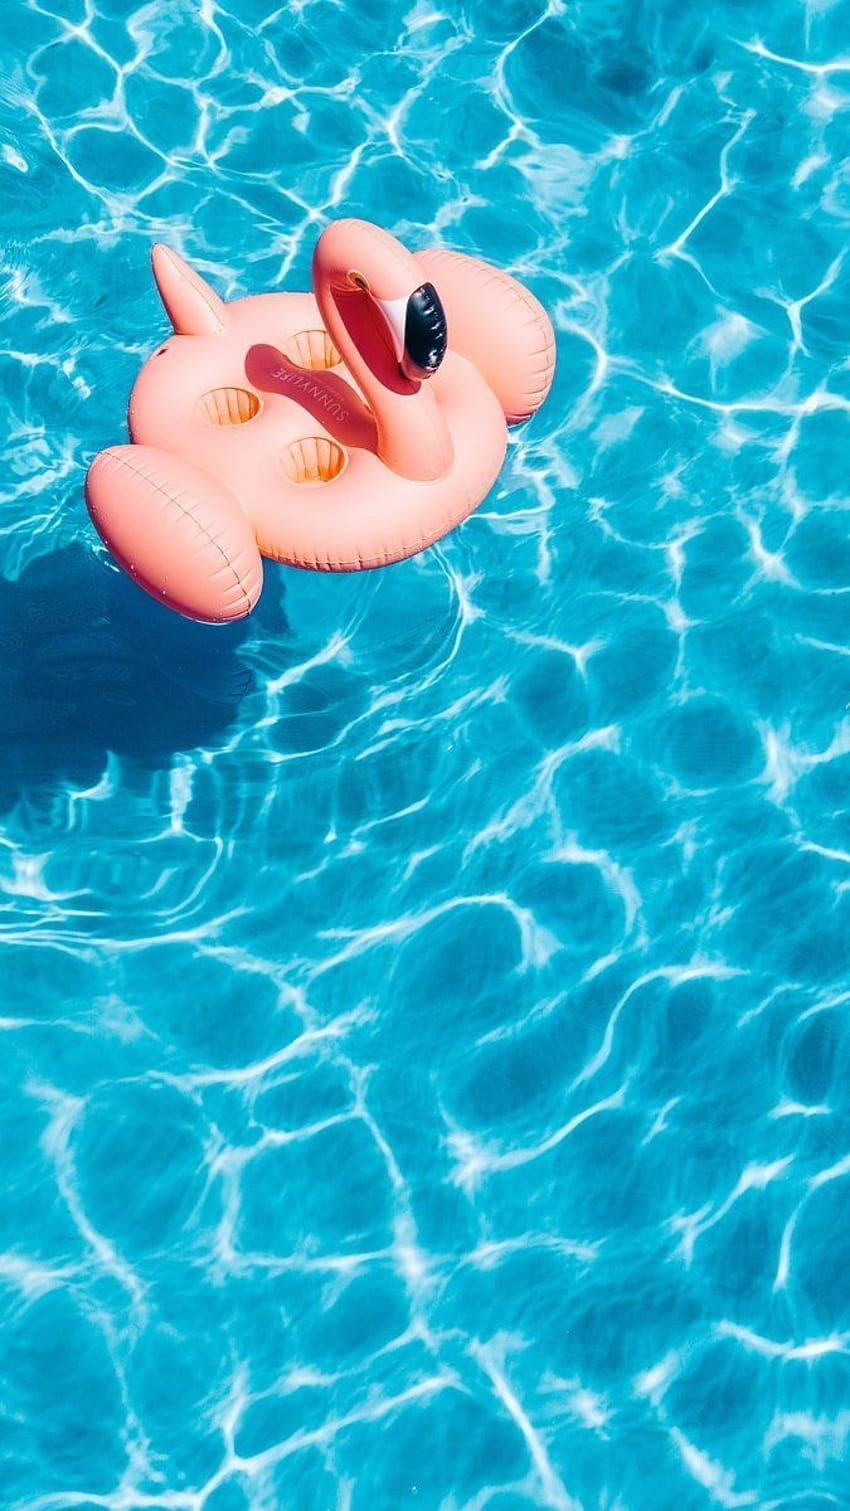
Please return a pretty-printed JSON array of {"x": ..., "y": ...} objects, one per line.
[{"x": 337, "y": 430}]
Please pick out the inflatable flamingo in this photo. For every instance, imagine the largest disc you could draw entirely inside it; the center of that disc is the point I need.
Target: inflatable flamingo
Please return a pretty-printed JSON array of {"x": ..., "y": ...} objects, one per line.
[{"x": 337, "y": 430}]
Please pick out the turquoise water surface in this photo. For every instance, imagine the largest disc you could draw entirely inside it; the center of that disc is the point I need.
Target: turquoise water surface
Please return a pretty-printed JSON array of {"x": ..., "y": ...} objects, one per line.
[{"x": 424, "y": 1037}]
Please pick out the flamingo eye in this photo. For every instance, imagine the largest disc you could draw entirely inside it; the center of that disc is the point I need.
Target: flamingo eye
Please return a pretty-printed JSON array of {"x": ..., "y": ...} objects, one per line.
[{"x": 358, "y": 280}]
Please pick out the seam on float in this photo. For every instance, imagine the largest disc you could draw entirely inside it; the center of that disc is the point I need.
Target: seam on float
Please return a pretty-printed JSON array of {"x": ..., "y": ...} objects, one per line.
[
  {"x": 202, "y": 292},
  {"x": 120, "y": 462},
  {"x": 387, "y": 558}
]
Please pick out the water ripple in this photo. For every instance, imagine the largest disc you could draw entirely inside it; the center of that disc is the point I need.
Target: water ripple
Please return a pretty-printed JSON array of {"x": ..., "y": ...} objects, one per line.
[{"x": 425, "y": 1009}]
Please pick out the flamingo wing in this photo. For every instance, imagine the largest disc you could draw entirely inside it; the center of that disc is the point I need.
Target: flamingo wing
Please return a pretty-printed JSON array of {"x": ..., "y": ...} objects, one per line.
[
  {"x": 497, "y": 324},
  {"x": 180, "y": 534}
]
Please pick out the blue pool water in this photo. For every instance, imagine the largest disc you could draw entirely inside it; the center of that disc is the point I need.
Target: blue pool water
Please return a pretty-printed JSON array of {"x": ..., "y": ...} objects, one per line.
[{"x": 424, "y": 1029}]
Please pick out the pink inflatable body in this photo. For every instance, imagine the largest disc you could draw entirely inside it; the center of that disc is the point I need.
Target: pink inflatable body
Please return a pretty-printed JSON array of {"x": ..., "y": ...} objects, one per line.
[{"x": 337, "y": 430}]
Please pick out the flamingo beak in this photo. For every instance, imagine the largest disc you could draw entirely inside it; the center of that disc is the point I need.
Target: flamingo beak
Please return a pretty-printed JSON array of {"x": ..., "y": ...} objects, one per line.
[{"x": 418, "y": 325}]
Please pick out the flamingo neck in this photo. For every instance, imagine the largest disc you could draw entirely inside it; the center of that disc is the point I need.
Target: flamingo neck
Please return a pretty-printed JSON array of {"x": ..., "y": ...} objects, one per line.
[{"x": 413, "y": 438}]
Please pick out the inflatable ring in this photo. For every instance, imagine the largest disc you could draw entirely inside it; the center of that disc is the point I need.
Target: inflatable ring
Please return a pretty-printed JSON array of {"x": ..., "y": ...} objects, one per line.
[{"x": 337, "y": 430}]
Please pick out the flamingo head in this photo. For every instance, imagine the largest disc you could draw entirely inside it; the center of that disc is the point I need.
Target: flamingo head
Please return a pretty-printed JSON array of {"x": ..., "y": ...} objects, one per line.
[
  {"x": 417, "y": 326},
  {"x": 376, "y": 282}
]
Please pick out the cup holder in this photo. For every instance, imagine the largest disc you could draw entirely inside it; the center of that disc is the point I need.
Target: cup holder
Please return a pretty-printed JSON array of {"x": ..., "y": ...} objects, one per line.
[
  {"x": 229, "y": 406},
  {"x": 313, "y": 350},
  {"x": 313, "y": 459}
]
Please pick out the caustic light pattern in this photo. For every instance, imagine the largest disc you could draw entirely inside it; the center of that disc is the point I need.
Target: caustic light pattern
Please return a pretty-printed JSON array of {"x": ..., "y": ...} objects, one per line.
[{"x": 424, "y": 1014}]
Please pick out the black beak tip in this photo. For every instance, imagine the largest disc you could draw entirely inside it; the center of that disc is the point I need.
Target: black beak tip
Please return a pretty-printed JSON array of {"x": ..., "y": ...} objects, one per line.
[{"x": 425, "y": 333}]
